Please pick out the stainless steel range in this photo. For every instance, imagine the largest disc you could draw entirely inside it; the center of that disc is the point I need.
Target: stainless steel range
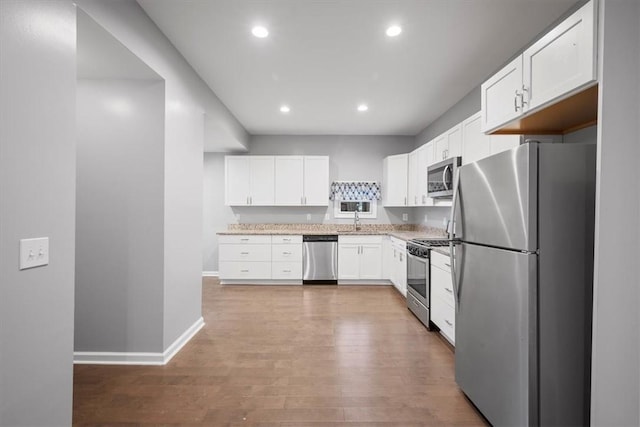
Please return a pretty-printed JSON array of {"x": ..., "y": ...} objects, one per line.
[{"x": 418, "y": 276}]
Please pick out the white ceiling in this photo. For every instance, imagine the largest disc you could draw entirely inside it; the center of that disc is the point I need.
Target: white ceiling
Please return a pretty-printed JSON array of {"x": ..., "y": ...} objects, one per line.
[{"x": 324, "y": 57}]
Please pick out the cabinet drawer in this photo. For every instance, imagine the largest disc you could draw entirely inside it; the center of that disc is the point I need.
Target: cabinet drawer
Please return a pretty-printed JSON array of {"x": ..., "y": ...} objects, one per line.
[
  {"x": 360, "y": 240},
  {"x": 245, "y": 270},
  {"x": 286, "y": 270},
  {"x": 441, "y": 261},
  {"x": 443, "y": 315},
  {"x": 398, "y": 243},
  {"x": 245, "y": 252},
  {"x": 286, "y": 240},
  {"x": 442, "y": 285},
  {"x": 286, "y": 253},
  {"x": 244, "y": 239}
]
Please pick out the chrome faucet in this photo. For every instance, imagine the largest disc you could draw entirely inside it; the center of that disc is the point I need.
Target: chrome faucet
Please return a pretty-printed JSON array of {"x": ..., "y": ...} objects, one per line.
[{"x": 356, "y": 220}]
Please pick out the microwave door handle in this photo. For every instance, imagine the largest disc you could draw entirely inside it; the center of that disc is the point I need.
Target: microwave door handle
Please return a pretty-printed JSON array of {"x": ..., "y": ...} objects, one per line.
[{"x": 444, "y": 177}]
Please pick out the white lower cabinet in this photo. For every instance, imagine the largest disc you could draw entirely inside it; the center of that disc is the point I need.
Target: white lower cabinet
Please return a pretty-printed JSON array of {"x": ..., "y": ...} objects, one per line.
[
  {"x": 239, "y": 270},
  {"x": 260, "y": 258},
  {"x": 442, "y": 299},
  {"x": 398, "y": 265},
  {"x": 360, "y": 258}
]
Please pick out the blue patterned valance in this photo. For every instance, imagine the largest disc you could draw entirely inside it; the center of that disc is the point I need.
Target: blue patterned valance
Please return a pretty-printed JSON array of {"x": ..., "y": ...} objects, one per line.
[{"x": 345, "y": 190}]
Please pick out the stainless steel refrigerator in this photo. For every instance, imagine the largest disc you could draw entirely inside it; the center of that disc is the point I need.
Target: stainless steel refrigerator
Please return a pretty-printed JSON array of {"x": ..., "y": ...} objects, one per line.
[{"x": 522, "y": 268}]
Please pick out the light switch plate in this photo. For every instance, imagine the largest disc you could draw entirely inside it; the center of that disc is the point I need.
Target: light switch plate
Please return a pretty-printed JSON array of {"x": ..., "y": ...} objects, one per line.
[
  {"x": 34, "y": 252},
  {"x": 405, "y": 217},
  {"x": 308, "y": 217}
]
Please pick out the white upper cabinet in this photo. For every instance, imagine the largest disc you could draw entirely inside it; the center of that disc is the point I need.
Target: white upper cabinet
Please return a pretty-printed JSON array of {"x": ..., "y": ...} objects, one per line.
[
  {"x": 500, "y": 96},
  {"x": 395, "y": 180},
  {"x": 289, "y": 186},
  {"x": 476, "y": 143},
  {"x": 413, "y": 178},
  {"x": 277, "y": 180},
  {"x": 237, "y": 180},
  {"x": 562, "y": 60},
  {"x": 302, "y": 181},
  {"x": 262, "y": 181},
  {"x": 499, "y": 143},
  {"x": 425, "y": 158},
  {"x": 316, "y": 180},
  {"x": 249, "y": 180},
  {"x": 449, "y": 144},
  {"x": 561, "y": 63}
]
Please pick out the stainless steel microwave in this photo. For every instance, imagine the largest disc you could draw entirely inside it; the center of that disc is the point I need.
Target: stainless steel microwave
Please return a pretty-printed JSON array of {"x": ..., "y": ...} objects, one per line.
[{"x": 440, "y": 177}]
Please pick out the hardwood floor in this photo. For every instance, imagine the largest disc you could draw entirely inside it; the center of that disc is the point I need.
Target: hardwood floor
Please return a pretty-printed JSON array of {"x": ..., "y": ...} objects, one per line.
[{"x": 288, "y": 356}]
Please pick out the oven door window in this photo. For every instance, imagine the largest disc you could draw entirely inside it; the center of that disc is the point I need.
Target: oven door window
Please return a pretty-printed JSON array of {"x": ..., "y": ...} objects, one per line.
[{"x": 417, "y": 275}]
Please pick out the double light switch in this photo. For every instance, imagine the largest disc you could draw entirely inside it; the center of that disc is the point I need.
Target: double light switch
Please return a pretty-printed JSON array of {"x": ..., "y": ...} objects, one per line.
[{"x": 34, "y": 252}]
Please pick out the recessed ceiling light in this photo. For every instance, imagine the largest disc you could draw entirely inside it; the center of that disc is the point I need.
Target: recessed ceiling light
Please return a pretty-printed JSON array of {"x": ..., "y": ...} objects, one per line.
[
  {"x": 285, "y": 109},
  {"x": 394, "y": 30},
  {"x": 363, "y": 107},
  {"x": 260, "y": 31}
]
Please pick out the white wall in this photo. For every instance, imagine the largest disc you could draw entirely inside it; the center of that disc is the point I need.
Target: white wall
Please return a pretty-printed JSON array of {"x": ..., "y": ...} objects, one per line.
[
  {"x": 183, "y": 221},
  {"x": 352, "y": 158},
  {"x": 194, "y": 118},
  {"x": 120, "y": 219},
  {"x": 37, "y": 199},
  {"x": 128, "y": 23},
  {"x": 615, "y": 373}
]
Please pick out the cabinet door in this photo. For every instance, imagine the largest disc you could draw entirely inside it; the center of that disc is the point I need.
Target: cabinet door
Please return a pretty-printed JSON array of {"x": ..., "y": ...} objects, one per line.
[
  {"x": 402, "y": 272},
  {"x": 348, "y": 261},
  {"x": 393, "y": 269},
  {"x": 237, "y": 180},
  {"x": 396, "y": 180},
  {"x": 412, "y": 179},
  {"x": 387, "y": 258},
  {"x": 500, "y": 143},
  {"x": 562, "y": 60},
  {"x": 454, "y": 141},
  {"x": 262, "y": 180},
  {"x": 316, "y": 180},
  {"x": 289, "y": 180},
  {"x": 371, "y": 262},
  {"x": 499, "y": 100},
  {"x": 475, "y": 144},
  {"x": 441, "y": 145}
]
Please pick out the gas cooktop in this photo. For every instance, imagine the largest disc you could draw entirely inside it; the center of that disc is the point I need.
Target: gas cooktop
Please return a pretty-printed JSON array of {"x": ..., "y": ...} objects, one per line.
[{"x": 431, "y": 242}]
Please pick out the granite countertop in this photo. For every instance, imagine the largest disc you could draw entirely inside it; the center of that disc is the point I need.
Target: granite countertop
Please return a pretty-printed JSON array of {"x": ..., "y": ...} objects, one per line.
[{"x": 403, "y": 232}]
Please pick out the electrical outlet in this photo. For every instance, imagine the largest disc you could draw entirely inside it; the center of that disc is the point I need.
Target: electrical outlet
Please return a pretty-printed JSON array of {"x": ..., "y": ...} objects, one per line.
[
  {"x": 34, "y": 252},
  {"x": 327, "y": 217},
  {"x": 426, "y": 218},
  {"x": 405, "y": 217},
  {"x": 308, "y": 217}
]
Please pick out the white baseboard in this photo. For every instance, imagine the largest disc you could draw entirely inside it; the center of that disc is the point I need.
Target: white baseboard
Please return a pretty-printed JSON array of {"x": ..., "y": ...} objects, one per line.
[
  {"x": 210, "y": 274},
  {"x": 177, "y": 345},
  {"x": 131, "y": 358},
  {"x": 365, "y": 282}
]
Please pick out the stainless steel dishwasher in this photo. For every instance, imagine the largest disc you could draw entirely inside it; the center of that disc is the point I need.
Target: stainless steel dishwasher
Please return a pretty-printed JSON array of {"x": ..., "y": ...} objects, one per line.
[{"x": 320, "y": 260}]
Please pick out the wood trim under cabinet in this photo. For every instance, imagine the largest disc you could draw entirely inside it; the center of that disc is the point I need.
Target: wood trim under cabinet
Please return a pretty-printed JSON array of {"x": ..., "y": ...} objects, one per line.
[{"x": 573, "y": 113}]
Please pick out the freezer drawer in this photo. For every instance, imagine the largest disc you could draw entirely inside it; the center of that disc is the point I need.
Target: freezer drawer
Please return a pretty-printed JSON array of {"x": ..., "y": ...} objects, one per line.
[{"x": 495, "y": 331}]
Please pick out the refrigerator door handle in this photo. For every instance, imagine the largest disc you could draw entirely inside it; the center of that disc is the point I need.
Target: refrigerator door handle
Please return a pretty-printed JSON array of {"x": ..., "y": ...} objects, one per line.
[{"x": 452, "y": 242}]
